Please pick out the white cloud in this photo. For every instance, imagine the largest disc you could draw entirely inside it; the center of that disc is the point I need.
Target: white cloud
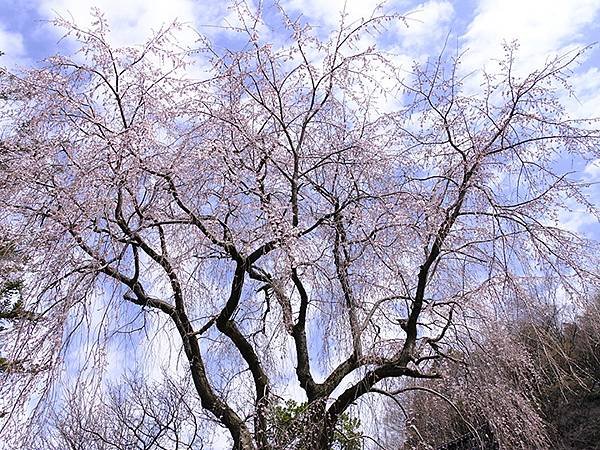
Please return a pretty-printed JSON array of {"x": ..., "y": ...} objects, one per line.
[
  {"x": 134, "y": 20},
  {"x": 578, "y": 221},
  {"x": 328, "y": 13},
  {"x": 586, "y": 101},
  {"x": 13, "y": 47},
  {"x": 592, "y": 171},
  {"x": 427, "y": 24},
  {"x": 542, "y": 27},
  {"x": 578, "y": 218}
]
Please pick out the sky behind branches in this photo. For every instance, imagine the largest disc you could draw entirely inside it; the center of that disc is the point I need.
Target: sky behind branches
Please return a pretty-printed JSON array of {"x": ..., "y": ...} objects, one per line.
[{"x": 543, "y": 28}]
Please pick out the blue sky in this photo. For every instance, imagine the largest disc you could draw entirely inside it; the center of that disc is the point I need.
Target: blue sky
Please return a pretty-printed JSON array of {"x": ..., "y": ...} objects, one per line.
[{"x": 543, "y": 28}]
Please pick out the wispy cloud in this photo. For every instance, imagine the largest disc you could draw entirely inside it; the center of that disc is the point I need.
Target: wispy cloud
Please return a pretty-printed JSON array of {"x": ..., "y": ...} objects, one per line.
[
  {"x": 542, "y": 28},
  {"x": 427, "y": 26},
  {"x": 328, "y": 13},
  {"x": 135, "y": 20},
  {"x": 13, "y": 46}
]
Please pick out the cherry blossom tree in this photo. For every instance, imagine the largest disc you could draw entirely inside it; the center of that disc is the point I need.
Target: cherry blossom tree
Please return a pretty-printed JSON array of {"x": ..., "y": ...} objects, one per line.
[
  {"x": 301, "y": 213},
  {"x": 547, "y": 372}
]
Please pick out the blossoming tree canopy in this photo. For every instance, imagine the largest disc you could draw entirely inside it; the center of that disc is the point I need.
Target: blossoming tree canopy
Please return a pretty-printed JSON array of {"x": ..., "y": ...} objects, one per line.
[{"x": 303, "y": 213}]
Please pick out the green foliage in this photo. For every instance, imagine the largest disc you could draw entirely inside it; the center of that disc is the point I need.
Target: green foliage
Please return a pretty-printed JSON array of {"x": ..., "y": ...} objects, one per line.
[
  {"x": 8, "y": 289},
  {"x": 12, "y": 308},
  {"x": 286, "y": 413},
  {"x": 11, "y": 285},
  {"x": 7, "y": 365},
  {"x": 287, "y": 421},
  {"x": 347, "y": 435}
]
